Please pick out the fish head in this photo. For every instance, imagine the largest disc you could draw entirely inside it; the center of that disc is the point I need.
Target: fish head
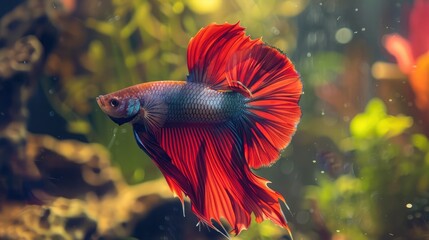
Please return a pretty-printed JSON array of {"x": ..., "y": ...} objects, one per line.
[{"x": 120, "y": 107}]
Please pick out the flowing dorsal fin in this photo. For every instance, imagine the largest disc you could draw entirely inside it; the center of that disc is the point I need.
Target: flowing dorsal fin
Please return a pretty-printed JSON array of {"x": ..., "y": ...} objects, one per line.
[{"x": 210, "y": 50}]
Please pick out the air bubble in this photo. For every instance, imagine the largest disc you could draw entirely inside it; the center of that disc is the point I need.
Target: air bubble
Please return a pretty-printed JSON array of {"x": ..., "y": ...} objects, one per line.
[
  {"x": 343, "y": 35},
  {"x": 275, "y": 31}
]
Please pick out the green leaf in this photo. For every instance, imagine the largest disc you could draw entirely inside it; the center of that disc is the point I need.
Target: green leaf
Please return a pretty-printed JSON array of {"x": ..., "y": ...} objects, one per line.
[
  {"x": 392, "y": 126},
  {"x": 375, "y": 123},
  {"x": 364, "y": 125},
  {"x": 420, "y": 142}
]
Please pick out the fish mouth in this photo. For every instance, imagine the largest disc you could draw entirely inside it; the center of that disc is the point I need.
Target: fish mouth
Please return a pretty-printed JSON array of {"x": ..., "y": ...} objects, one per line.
[{"x": 100, "y": 101}]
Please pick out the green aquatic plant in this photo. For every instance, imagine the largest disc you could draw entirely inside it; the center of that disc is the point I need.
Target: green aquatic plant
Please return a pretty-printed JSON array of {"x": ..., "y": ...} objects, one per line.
[{"x": 390, "y": 171}]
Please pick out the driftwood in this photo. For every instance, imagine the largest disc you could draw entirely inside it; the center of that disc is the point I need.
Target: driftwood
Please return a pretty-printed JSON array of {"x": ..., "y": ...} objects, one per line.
[{"x": 26, "y": 37}]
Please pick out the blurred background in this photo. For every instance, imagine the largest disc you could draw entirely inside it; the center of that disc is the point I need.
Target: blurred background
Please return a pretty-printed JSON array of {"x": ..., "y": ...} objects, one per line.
[{"x": 357, "y": 168}]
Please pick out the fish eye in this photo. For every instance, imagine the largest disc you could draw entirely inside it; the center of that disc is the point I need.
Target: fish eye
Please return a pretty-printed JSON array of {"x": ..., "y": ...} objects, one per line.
[{"x": 114, "y": 102}]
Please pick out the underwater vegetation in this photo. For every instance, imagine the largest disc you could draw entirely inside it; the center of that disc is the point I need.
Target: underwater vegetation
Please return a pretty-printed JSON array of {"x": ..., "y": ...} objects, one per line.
[{"x": 357, "y": 167}]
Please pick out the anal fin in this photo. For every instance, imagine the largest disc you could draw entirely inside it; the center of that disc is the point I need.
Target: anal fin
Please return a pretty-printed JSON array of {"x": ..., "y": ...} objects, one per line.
[{"x": 210, "y": 168}]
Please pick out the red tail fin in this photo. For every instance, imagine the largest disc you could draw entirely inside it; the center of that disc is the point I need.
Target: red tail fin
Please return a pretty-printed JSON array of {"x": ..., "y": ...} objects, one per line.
[{"x": 274, "y": 88}]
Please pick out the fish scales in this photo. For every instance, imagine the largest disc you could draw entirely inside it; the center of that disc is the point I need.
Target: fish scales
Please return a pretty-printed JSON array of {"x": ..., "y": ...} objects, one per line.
[{"x": 196, "y": 103}]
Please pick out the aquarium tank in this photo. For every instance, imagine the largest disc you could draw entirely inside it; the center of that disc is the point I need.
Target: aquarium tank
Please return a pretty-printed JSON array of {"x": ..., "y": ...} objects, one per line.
[{"x": 334, "y": 94}]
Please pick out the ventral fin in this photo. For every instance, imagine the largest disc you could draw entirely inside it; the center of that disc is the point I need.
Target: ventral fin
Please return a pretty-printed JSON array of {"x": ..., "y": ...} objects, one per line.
[
  {"x": 210, "y": 168},
  {"x": 177, "y": 182}
]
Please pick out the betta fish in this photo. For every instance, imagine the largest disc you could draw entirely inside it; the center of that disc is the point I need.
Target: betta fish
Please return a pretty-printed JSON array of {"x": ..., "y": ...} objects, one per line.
[{"x": 237, "y": 110}]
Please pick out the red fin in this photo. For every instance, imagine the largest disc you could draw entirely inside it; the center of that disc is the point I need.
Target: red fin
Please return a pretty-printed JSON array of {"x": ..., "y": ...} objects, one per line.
[
  {"x": 239, "y": 87},
  {"x": 175, "y": 179},
  {"x": 273, "y": 111},
  {"x": 154, "y": 114},
  {"x": 211, "y": 48},
  {"x": 214, "y": 174}
]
